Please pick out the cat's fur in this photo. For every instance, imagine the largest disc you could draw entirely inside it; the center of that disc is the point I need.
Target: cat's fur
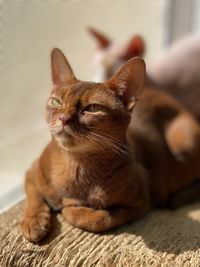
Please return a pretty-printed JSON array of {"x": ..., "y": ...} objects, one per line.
[{"x": 105, "y": 167}]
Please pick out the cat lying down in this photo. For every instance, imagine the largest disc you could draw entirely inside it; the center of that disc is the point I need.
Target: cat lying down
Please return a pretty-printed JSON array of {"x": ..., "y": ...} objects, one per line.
[{"x": 117, "y": 151}]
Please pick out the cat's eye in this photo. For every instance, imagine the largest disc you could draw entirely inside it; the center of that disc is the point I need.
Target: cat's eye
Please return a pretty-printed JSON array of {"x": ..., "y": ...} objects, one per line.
[
  {"x": 95, "y": 108},
  {"x": 55, "y": 102}
]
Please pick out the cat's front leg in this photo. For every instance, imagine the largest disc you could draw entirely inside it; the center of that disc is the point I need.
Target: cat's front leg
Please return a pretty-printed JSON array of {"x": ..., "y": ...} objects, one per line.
[
  {"x": 36, "y": 221},
  {"x": 100, "y": 220}
]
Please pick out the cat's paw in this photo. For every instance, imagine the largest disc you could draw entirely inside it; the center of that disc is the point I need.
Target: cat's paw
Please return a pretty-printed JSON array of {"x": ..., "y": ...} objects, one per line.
[{"x": 34, "y": 228}]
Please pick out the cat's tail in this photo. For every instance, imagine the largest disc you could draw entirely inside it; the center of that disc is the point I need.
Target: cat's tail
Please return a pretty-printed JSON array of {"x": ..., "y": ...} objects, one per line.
[{"x": 183, "y": 137}]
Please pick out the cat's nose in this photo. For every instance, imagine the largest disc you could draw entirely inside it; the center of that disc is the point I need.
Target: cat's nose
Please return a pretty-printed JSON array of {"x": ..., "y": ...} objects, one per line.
[{"x": 65, "y": 118}]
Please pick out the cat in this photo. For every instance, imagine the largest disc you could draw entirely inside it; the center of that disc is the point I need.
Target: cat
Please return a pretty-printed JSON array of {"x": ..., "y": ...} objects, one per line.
[
  {"x": 111, "y": 55},
  {"x": 117, "y": 151},
  {"x": 175, "y": 71}
]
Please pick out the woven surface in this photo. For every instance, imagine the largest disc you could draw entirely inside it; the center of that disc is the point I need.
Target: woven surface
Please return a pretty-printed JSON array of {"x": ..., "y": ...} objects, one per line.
[{"x": 162, "y": 238}]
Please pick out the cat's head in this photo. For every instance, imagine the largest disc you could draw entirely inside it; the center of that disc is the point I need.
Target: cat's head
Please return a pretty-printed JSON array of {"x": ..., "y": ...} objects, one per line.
[
  {"x": 92, "y": 116},
  {"x": 111, "y": 55}
]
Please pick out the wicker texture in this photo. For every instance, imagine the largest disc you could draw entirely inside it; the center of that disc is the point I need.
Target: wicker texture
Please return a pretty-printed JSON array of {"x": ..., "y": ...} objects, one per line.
[{"x": 162, "y": 238}]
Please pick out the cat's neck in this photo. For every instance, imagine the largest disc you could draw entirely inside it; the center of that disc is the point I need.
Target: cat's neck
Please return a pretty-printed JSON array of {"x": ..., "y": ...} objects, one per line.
[{"x": 96, "y": 158}]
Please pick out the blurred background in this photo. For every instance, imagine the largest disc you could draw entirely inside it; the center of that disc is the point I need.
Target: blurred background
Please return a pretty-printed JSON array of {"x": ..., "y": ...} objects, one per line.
[{"x": 28, "y": 32}]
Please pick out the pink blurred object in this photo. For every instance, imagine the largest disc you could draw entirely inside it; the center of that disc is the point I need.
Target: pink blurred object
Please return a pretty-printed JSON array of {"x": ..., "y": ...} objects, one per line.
[
  {"x": 177, "y": 72},
  {"x": 179, "y": 65}
]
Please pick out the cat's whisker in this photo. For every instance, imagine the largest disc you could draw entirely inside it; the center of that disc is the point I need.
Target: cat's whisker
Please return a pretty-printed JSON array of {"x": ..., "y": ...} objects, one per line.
[
  {"x": 96, "y": 142},
  {"x": 104, "y": 141},
  {"x": 99, "y": 141},
  {"x": 116, "y": 144},
  {"x": 115, "y": 140},
  {"x": 103, "y": 144}
]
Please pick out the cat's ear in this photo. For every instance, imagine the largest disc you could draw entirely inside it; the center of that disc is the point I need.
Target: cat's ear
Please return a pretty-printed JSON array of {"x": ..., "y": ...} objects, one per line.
[
  {"x": 102, "y": 40},
  {"x": 135, "y": 48},
  {"x": 128, "y": 82},
  {"x": 61, "y": 70}
]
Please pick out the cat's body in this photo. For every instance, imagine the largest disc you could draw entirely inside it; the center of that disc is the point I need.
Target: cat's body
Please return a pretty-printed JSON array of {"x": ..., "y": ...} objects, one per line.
[
  {"x": 165, "y": 137},
  {"x": 104, "y": 166}
]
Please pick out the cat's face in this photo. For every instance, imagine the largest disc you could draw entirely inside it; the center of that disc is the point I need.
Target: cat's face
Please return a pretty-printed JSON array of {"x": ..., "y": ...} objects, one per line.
[{"x": 87, "y": 115}]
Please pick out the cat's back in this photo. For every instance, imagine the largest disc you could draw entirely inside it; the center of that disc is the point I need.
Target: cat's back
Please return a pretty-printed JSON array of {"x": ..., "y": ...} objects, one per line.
[
  {"x": 165, "y": 139},
  {"x": 153, "y": 112},
  {"x": 155, "y": 107}
]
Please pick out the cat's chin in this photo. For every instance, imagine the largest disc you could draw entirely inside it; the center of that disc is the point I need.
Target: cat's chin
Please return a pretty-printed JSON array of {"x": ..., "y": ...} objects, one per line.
[{"x": 65, "y": 140}]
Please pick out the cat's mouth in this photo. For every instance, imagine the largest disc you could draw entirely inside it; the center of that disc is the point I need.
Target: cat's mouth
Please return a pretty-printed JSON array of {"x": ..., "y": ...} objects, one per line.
[
  {"x": 69, "y": 136},
  {"x": 65, "y": 138},
  {"x": 66, "y": 132}
]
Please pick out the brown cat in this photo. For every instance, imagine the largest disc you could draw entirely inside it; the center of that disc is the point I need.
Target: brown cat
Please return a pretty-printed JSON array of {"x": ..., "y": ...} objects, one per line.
[{"x": 103, "y": 166}]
